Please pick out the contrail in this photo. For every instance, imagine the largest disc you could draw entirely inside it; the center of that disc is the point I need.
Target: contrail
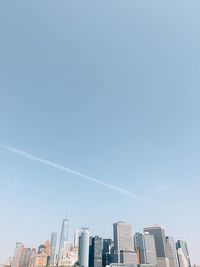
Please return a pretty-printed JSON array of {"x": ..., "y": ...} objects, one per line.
[{"x": 68, "y": 170}]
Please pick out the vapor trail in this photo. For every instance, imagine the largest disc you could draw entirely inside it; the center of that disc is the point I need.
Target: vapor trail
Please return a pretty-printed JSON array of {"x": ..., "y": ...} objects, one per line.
[{"x": 68, "y": 170}]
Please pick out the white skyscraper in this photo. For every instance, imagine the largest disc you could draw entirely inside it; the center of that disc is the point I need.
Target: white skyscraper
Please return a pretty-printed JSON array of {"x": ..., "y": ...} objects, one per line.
[
  {"x": 171, "y": 252},
  {"x": 76, "y": 238},
  {"x": 84, "y": 248},
  {"x": 181, "y": 258}
]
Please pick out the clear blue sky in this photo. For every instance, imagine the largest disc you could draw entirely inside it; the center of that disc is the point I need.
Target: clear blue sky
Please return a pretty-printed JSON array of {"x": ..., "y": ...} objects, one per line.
[{"x": 108, "y": 88}]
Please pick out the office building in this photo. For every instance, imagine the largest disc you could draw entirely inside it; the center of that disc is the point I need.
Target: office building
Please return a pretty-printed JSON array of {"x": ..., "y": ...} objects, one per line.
[
  {"x": 160, "y": 243},
  {"x": 53, "y": 248},
  {"x": 63, "y": 236},
  {"x": 171, "y": 252},
  {"x": 145, "y": 247},
  {"x": 96, "y": 249},
  {"x": 107, "y": 250},
  {"x": 181, "y": 258},
  {"x": 17, "y": 255},
  {"x": 183, "y": 245},
  {"x": 25, "y": 257},
  {"x": 84, "y": 248},
  {"x": 123, "y": 241},
  {"x": 76, "y": 238}
]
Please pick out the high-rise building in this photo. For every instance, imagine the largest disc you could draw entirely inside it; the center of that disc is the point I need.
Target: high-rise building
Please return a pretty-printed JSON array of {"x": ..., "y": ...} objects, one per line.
[
  {"x": 123, "y": 243},
  {"x": 18, "y": 254},
  {"x": 145, "y": 246},
  {"x": 96, "y": 249},
  {"x": 160, "y": 242},
  {"x": 171, "y": 251},
  {"x": 53, "y": 248},
  {"x": 63, "y": 236},
  {"x": 32, "y": 258},
  {"x": 106, "y": 254},
  {"x": 76, "y": 238},
  {"x": 181, "y": 258},
  {"x": 128, "y": 257},
  {"x": 84, "y": 248},
  {"x": 183, "y": 245},
  {"x": 41, "y": 258},
  {"x": 25, "y": 257}
]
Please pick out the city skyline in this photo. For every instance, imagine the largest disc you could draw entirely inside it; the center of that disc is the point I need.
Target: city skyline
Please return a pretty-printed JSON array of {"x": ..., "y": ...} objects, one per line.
[
  {"x": 151, "y": 248},
  {"x": 100, "y": 102},
  {"x": 123, "y": 238}
]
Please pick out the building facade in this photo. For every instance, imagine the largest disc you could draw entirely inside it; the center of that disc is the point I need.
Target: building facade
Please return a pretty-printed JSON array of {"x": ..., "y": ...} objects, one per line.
[
  {"x": 145, "y": 246},
  {"x": 160, "y": 243},
  {"x": 123, "y": 241}
]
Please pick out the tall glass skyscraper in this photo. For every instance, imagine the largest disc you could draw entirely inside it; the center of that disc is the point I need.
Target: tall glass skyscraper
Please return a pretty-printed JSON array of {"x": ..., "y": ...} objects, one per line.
[
  {"x": 107, "y": 247},
  {"x": 53, "y": 248},
  {"x": 63, "y": 237},
  {"x": 96, "y": 250}
]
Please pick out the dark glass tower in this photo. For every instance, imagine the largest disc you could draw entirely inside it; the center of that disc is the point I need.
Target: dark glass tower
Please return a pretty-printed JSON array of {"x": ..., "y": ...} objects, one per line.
[
  {"x": 106, "y": 256},
  {"x": 96, "y": 249}
]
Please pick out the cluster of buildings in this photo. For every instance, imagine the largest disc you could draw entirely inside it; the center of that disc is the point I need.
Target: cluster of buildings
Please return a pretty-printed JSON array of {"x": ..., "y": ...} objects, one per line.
[{"x": 150, "y": 248}]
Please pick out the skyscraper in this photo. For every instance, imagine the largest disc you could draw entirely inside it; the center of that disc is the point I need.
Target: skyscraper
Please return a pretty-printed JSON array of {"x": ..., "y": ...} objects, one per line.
[
  {"x": 32, "y": 258},
  {"x": 181, "y": 258},
  {"x": 25, "y": 257},
  {"x": 183, "y": 245},
  {"x": 63, "y": 236},
  {"x": 160, "y": 242},
  {"x": 53, "y": 247},
  {"x": 171, "y": 251},
  {"x": 123, "y": 243},
  {"x": 106, "y": 255},
  {"x": 76, "y": 238},
  {"x": 84, "y": 248},
  {"x": 145, "y": 245},
  {"x": 96, "y": 252},
  {"x": 18, "y": 254}
]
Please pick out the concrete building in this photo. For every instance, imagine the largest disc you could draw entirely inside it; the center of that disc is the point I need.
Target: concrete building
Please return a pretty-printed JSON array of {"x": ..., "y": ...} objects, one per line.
[
  {"x": 145, "y": 246},
  {"x": 160, "y": 243},
  {"x": 17, "y": 255},
  {"x": 183, "y": 245},
  {"x": 171, "y": 252},
  {"x": 123, "y": 241}
]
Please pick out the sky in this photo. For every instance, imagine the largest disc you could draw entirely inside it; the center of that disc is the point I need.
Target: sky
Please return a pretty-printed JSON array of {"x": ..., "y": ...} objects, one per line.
[{"x": 107, "y": 90}]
